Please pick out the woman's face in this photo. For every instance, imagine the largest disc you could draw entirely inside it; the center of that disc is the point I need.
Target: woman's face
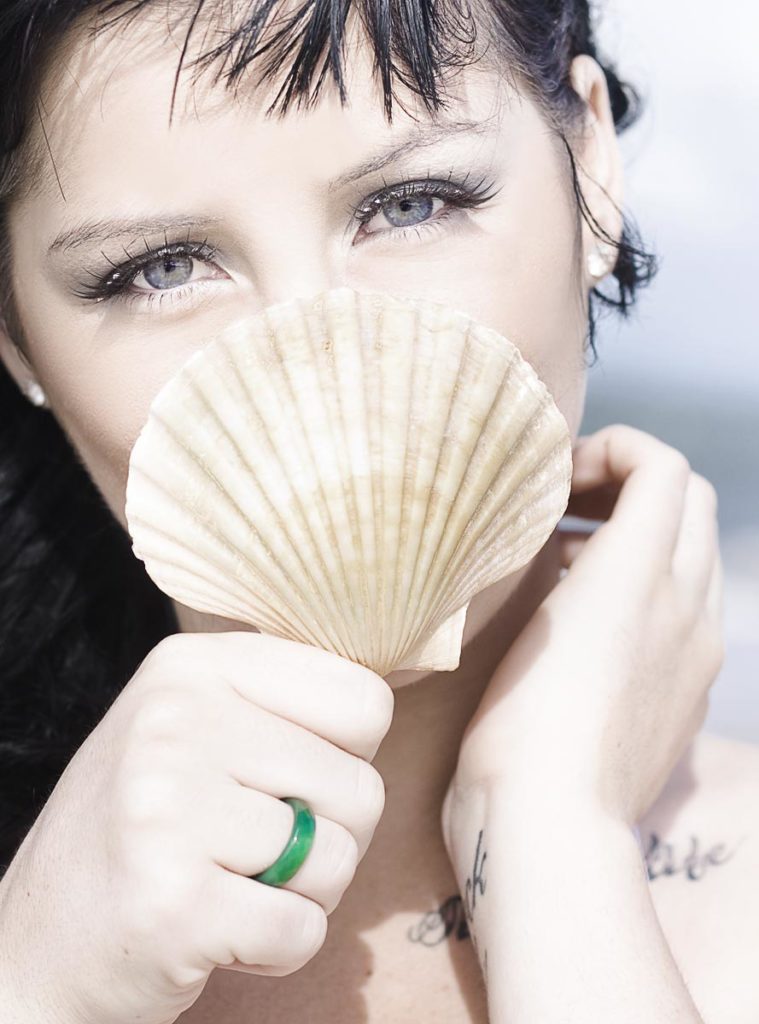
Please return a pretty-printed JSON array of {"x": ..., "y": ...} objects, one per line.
[{"x": 275, "y": 200}]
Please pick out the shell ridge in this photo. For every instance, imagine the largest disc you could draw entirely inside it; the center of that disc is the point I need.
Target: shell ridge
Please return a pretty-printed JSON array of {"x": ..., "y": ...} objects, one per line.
[
  {"x": 349, "y": 491},
  {"x": 318, "y": 309},
  {"x": 482, "y": 483},
  {"x": 514, "y": 420},
  {"x": 403, "y": 531},
  {"x": 150, "y": 528},
  {"x": 439, "y": 581},
  {"x": 438, "y": 324},
  {"x": 274, "y": 564},
  {"x": 369, "y": 325},
  {"x": 322, "y": 626},
  {"x": 200, "y": 528},
  {"x": 344, "y": 613},
  {"x": 500, "y": 522}
]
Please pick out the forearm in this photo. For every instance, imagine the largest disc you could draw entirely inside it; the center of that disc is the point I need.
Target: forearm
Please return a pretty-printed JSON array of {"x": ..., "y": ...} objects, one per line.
[{"x": 559, "y": 908}]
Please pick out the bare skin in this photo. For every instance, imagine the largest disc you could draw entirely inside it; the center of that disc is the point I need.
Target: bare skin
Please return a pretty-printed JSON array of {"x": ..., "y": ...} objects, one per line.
[
  {"x": 105, "y": 131},
  {"x": 407, "y": 953}
]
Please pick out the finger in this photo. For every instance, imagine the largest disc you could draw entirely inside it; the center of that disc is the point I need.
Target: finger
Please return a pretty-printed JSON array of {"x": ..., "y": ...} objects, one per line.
[
  {"x": 698, "y": 541},
  {"x": 278, "y": 757},
  {"x": 256, "y": 923},
  {"x": 339, "y": 700},
  {"x": 653, "y": 475},
  {"x": 247, "y": 830},
  {"x": 715, "y": 592}
]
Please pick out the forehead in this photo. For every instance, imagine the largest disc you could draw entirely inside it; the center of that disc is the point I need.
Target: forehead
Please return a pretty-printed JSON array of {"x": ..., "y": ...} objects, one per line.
[{"x": 112, "y": 97}]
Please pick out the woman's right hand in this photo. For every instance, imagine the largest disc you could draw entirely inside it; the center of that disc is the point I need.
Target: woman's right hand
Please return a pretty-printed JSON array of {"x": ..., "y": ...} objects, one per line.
[{"x": 132, "y": 885}]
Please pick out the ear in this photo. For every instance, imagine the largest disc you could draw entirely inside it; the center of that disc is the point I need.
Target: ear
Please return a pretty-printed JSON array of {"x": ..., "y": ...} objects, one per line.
[
  {"x": 597, "y": 154},
  {"x": 14, "y": 359}
]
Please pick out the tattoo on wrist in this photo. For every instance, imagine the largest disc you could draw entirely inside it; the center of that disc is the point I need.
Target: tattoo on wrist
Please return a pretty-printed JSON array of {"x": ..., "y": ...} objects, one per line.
[
  {"x": 660, "y": 858},
  {"x": 476, "y": 881},
  {"x": 453, "y": 916}
]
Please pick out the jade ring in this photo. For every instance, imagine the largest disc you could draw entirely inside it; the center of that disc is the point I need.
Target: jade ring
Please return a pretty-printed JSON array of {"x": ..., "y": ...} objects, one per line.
[{"x": 297, "y": 846}]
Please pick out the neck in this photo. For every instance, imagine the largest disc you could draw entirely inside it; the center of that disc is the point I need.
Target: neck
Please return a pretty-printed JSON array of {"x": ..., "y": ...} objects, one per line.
[{"x": 419, "y": 753}]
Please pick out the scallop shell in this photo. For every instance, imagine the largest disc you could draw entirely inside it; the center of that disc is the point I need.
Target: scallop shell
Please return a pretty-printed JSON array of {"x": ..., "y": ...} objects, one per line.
[{"x": 348, "y": 471}]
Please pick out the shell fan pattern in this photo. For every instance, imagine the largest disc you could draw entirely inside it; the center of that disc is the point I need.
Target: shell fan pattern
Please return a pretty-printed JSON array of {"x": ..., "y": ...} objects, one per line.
[{"x": 348, "y": 471}]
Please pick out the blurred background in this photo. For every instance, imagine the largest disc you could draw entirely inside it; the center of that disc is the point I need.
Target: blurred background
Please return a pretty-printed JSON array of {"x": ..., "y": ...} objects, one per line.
[{"x": 685, "y": 367}]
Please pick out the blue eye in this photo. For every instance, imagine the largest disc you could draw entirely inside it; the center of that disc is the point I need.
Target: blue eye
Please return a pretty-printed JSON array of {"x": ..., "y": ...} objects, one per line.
[
  {"x": 404, "y": 212},
  {"x": 412, "y": 203},
  {"x": 175, "y": 270}
]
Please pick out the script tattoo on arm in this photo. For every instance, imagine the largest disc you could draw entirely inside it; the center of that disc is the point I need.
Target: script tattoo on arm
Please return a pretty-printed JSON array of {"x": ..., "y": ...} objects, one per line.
[
  {"x": 660, "y": 858},
  {"x": 452, "y": 917},
  {"x": 455, "y": 915}
]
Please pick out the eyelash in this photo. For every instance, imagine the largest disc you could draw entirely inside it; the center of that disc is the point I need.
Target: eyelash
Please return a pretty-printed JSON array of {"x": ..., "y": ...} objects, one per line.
[{"x": 115, "y": 283}]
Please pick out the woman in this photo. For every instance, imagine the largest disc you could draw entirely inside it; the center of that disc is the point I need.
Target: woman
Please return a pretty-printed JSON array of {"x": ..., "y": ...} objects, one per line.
[{"x": 471, "y": 160}]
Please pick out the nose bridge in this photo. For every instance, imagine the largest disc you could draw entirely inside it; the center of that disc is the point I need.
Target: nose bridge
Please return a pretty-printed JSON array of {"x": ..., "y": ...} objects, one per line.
[
  {"x": 299, "y": 278},
  {"x": 293, "y": 259}
]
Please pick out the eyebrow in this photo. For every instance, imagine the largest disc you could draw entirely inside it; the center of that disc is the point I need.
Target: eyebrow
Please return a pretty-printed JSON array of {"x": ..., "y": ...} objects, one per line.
[{"x": 103, "y": 230}]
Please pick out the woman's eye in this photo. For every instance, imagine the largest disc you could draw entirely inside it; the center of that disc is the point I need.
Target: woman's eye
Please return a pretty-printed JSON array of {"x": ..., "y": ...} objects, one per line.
[
  {"x": 170, "y": 271},
  {"x": 413, "y": 207},
  {"x": 403, "y": 212}
]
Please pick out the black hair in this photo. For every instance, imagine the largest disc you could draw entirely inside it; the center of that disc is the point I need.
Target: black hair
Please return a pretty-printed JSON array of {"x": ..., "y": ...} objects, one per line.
[{"x": 78, "y": 613}]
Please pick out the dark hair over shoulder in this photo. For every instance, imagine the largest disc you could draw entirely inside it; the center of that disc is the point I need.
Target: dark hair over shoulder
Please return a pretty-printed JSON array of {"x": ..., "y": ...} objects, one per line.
[{"x": 77, "y": 611}]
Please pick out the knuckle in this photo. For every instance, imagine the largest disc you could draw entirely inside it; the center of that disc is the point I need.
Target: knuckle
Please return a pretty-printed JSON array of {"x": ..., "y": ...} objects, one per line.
[
  {"x": 163, "y": 714},
  {"x": 302, "y": 934},
  {"x": 341, "y": 856},
  {"x": 677, "y": 462},
  {"x": 370, "y": 793},
  {"x": 718, "y": 655},
  {"x": 162, "y": 901},
  {"x": 184, "y": 976},
  {"x": 147, "y": 797},
  {"x": 379, "y": 703},
  {"x": 166, "y": 651},
  {"x": 314, "y": 929},
  {"x": 708, "y": 490}
]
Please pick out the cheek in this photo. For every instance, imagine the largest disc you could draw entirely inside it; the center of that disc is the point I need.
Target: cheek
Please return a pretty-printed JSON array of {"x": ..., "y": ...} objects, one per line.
[
  {"x": 101, "y": 391},
  {"x": 102, "y": 411}
]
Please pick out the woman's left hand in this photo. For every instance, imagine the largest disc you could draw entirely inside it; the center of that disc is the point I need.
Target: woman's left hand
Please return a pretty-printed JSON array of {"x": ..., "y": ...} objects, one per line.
[
  {"x": 575, "y": 737},
  {"x": 608, "y": 683}
]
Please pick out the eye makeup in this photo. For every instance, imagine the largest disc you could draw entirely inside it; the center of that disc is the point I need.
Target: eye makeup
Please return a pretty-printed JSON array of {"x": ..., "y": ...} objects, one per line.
[{"x": 115, "y": 281}]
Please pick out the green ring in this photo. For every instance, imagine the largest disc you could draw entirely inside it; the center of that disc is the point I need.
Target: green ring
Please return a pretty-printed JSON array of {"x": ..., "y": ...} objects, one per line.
[{"x": 296, "y": 848}]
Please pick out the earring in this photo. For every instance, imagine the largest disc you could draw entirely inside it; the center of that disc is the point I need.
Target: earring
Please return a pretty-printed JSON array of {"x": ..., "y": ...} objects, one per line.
[
  {"x": 35, "y": 394},
  {"x": 599, "y": 261}
]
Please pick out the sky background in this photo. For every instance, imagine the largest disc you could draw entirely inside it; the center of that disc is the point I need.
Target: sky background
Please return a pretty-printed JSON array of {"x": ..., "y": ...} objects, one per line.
[{"x": 685, "y": 367}]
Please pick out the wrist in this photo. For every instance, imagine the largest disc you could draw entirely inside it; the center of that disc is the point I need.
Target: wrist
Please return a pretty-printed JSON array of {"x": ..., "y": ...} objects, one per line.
[
  {"x": 535, "y": 798},
  {"x": 557, "y": 901},
  {"x": 22, "y": 1003}
]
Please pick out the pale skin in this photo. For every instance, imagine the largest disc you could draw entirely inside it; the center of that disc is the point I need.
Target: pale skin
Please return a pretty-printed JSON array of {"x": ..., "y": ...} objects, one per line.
[{"x": 517, "y": 264}]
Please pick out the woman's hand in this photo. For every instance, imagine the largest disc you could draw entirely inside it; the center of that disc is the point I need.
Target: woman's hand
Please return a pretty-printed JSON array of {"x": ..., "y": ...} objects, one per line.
[
  {"x": 574, "y": 739},
  {"x": 131, "y": 886},
  {"x": 608, "y": 684}
]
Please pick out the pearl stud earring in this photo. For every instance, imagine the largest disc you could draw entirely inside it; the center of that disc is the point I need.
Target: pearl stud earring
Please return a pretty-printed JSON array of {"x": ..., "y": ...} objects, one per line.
[
  {"x": 599, "y": 263},
  {"x": 35, "y": 394}
]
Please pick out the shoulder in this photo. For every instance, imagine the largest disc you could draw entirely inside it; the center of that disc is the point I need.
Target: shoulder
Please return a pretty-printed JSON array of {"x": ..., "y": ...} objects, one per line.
[{"x": 701, "y": 845}]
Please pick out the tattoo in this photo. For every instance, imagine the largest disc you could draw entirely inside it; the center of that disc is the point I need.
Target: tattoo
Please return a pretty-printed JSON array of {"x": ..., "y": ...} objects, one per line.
[
  {"x": 453, "y": 916},
  {"x": 660, "y": 858},
  {"x": 437, "y": 925},
  {"x": 477, "y": 880}
]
